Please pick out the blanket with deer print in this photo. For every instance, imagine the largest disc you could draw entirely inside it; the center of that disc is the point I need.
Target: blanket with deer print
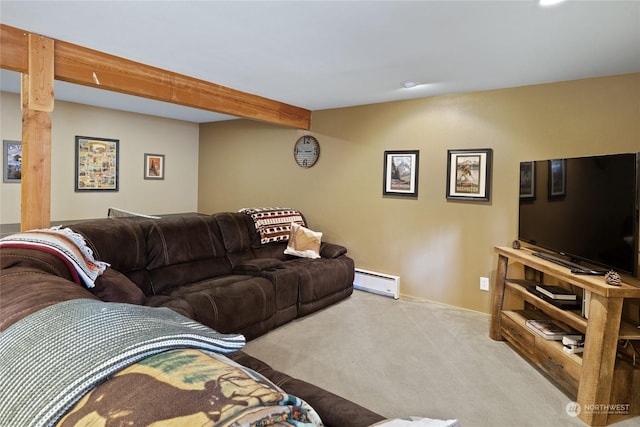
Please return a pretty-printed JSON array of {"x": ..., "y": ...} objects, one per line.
[
  {"x": 189, "y": 387},
  {"x": 131, "y": 366}
]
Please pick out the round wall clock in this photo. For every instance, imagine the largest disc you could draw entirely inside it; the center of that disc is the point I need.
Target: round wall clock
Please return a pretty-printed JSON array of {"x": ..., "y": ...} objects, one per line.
[{"x": 306, "y": 151}]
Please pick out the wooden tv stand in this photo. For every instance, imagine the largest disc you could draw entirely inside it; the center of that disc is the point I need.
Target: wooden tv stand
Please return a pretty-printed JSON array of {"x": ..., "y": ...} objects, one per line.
[{"x": 605, "y": 384}]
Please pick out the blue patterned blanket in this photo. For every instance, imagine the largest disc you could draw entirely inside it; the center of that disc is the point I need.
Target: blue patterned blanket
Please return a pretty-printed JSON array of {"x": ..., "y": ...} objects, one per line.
[{"x": 53, "y": 357}]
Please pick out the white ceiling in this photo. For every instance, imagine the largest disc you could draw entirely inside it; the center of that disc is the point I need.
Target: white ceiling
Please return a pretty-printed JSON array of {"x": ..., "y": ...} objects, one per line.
[{"x": 330, "y": 54}]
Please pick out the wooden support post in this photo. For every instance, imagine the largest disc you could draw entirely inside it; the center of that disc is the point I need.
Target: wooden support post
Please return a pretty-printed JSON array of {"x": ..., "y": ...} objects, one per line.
[
  {"x": 498, "y": 298},
  {"x": 596, "y": 378},
  {"x": 37, "y": 104}
]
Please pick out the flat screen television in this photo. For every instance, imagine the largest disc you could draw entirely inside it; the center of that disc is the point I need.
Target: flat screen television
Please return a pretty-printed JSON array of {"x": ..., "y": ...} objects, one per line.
[{"x": 584, "y": 209}]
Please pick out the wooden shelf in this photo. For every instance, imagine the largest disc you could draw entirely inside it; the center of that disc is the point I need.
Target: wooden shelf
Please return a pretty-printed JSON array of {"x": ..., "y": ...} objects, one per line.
[
  {"x": 522, "y": 316},
  {"x": 572, "y": 318},
  {"x": 629, "y": 332},
  {"x": 596, "y": 378},
  {"x": 569, "y": 317}
]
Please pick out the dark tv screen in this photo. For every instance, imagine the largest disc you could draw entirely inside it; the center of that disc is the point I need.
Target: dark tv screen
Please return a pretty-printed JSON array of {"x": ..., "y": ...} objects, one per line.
[{"x": 584, "y": 208}]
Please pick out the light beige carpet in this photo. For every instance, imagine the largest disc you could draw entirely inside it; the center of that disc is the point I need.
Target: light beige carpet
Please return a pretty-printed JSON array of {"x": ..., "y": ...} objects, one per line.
[{"x": 406, "y": 357}]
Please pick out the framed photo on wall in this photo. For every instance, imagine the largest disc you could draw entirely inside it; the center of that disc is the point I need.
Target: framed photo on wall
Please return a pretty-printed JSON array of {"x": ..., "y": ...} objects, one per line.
[
  {"x": 153, "y": 166},
  {"x": 401, "y": 173},
  {"x": 11, "y": 161},
  {"x": 96, "y": 164},
  {"x": 469, "y": 174}
]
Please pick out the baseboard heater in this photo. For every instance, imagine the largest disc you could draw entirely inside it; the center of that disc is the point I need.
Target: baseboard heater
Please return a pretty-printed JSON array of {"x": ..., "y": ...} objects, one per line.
[{"x": 377, "y": 283}]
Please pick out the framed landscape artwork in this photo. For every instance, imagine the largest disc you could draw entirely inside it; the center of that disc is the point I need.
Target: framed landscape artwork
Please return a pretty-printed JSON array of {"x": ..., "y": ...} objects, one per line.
[
  {"x": 401, "y": 173},
  {"x": 153, "y": 166},
  {"x": 96, "y": 164},
  {"x": 527, "y": 181},
  {"x": 11, "y": 161},
  {"x": 469, "y": 174}
]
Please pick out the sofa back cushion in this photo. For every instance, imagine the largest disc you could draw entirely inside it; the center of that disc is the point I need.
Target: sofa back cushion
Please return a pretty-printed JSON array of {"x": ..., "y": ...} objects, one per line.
[
  {"x": 183, "y": 250},
  {"x": 238, "y": 234},
  {"x": 120, "y": 242},
  {"x": 234, "y": 228},
  {"x": 242, "y": 240}
]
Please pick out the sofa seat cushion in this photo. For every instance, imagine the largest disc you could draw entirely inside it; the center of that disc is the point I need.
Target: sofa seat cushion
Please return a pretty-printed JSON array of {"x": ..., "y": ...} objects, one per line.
[
  {"x": 164, "y": 279},
  {"x": 318, "y": 278},
  {"x": 229, "y": 304},
  {"x": 258, "y": 264}
]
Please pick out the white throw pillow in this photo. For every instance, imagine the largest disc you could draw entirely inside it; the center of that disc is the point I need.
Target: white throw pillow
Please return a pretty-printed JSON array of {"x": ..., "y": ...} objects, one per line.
[{"x": 303, "y": 242}]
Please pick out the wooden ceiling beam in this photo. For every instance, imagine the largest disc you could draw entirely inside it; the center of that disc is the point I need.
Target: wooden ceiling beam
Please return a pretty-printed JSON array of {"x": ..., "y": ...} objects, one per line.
[
  {"x": 88, "y": 67},
  {"x": 14, "y": 49}
]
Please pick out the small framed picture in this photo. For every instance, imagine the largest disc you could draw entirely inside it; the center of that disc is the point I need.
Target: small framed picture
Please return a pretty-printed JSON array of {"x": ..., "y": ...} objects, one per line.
[
  {"x": 153, "y": 166},
  {"x": 469, "y": 174},
  {"x": 557, "y": 178},
  {"x": 401, "y": 173},
  {"x": 96, "y": 164},
  {"x": 12, "y": 161},
  {"x": 527, "y": 181}
]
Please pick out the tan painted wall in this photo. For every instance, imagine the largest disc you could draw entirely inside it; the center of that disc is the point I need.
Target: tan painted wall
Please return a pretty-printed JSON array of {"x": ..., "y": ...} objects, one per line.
[
  {"x": 138, "y": 134},
  {"x": 438, "y": 247}
]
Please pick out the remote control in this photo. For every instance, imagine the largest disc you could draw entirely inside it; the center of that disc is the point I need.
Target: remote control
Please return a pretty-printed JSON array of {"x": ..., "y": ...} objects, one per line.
[{"x": 588, "y": 272}]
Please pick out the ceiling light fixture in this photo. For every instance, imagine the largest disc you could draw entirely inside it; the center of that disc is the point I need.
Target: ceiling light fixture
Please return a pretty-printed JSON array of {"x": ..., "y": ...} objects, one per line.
[
  {"x": 409, "y": 84},
  {"x": 545, "y": 3}
]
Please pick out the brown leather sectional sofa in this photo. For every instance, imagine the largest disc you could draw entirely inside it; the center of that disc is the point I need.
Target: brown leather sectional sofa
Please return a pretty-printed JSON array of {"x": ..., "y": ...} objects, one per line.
[
  {"x": 214, "y": 269},
  {"x": 211, "y": 268}
]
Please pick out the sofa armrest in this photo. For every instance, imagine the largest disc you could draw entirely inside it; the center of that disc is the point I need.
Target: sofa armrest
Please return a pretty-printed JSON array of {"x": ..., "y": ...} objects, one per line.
[
  {"x": 331, "y": 250},
  {"x": 257, "y": 265},
  {"x": 113, "y": 286},
  {"x": 334, "y": 410}
]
